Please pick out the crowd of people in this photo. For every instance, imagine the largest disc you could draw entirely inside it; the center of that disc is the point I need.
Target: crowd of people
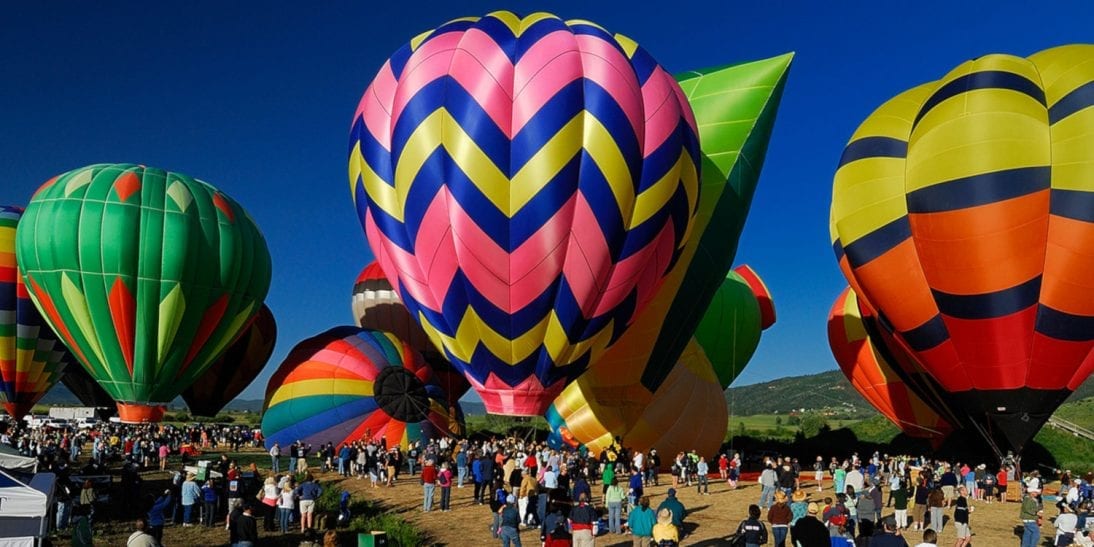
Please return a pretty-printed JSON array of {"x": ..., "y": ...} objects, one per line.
[{"x": 571, "y": 496}]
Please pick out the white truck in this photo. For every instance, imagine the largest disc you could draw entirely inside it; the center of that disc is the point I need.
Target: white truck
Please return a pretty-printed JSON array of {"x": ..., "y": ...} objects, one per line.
[{"x": 72, "y": 413}]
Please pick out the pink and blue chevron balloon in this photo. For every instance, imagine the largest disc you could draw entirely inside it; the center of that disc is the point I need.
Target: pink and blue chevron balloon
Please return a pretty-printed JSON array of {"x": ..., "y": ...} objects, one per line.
[{"x": 525, "y": 184}]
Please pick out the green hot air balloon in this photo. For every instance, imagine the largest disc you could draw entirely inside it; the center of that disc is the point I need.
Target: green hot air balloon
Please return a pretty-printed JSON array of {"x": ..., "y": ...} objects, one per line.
[
  {"x": 730, "y": 329},
  {"x": 147, "y": 275}
]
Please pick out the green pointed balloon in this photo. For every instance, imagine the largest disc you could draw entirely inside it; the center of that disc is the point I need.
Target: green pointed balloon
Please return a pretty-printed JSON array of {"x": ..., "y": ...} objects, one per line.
[
  {"x": 729, "y": 331},
  {"x": 147, "y": 275}
]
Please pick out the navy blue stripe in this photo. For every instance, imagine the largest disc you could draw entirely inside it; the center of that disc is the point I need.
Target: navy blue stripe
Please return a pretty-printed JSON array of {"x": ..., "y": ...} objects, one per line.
[
  {"x": 1073, "y": 204},
  {"x": 988, "y": 79},
  {"x": 979, "y": 189},
  {"x": 878, "y": 242},
  {"x": 1064, "y": 326},
  {"x": 873, "y": 147},
  {"x": 1078, "y": 99},
  {"x": 927, "y": 335},
  {"x": 837, "y": 248},
  {"x": 990, "y": 305}
]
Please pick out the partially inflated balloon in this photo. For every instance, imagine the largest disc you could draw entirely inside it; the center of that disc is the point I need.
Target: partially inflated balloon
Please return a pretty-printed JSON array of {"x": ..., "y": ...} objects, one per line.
[
  {"x": 376, "y": 306},
  {"x": 85, "y": 388},
  {"x": 147, "y": 276},
  {"x": 963, "y": 212},
  {"x": 31, "y": 357},
  {"x": 729, "y": 332},
  {"x": 229, "y": 375},
  {"x": 863, "y": 359},
  {"x": 349, "y": 384},
  {"x": 525, "y": 183}
]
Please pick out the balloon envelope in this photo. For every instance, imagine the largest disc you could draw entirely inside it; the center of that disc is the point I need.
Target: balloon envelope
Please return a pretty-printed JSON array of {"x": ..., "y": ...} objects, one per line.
[
  {"x": 863, "y": 360},
  {"x": 32, "y": 359},
  {"x": 525, "y": 184},
  {"x": 961, "y": 212},
  {"x": 729, "y": 331},
  {"x": 230, "y": 374},
  {"x": 349, "y": 384},
  {"x": 147, "y": 276},
  {"x": 85, "y": 388},
  {"x": 376, "y": 306}
]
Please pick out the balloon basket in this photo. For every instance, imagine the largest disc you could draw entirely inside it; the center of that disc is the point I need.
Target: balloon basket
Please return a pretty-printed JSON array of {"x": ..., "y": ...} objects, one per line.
[{"x": 137, "y": 413}]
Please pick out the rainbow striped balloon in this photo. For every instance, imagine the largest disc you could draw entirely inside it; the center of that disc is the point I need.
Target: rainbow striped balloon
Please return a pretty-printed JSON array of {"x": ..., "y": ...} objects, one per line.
[
  {"x": 524, "y": 183},
  {"x": 349, "y": 384}
]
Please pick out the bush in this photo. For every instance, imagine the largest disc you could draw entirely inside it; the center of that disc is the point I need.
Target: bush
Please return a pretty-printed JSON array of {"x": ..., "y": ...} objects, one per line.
[{"x": 399, "y": 531}]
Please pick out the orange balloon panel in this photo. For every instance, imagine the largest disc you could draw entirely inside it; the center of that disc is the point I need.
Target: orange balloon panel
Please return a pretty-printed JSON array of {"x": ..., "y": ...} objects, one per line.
[{"x": 874, "y": 377}]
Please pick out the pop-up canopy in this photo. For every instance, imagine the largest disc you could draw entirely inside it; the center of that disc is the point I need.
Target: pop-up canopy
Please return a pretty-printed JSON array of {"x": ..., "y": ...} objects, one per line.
[{"x": 24, "y": 508}]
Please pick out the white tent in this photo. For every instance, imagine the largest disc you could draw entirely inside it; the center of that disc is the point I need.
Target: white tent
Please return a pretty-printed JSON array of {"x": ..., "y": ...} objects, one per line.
[
  {"x": 25, "y": 508},
  {"x": 12, "y": 460}
]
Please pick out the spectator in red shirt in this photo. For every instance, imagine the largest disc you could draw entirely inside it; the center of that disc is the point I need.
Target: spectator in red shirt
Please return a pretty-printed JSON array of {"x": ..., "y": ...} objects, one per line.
[{"x": 429, "y": 484}]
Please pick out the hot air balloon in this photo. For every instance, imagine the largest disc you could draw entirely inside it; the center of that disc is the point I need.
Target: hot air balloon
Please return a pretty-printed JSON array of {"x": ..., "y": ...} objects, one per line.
[
  {"x": 230, "y": 374},
  {"x": 349, "y": 384},
  {"x": 376, "y": 306},
  {"x": 31, "y": 357},
  {"x": 525, "y": 184},
  {"x": 595, "y": 409},
  {"x": 147, "y": 276},
  {"x": 729, "y": 331},
  {"x": 85, "y": 388},
  {"x": 961, "y": 213},
  {"x": 863, "y": 359}
]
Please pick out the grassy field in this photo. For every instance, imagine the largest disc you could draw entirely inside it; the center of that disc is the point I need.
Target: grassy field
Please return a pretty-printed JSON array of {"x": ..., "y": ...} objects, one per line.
[{"x": 1081, "y": 413}]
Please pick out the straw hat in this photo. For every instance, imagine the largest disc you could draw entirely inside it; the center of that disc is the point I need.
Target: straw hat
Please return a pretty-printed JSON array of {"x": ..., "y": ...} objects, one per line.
[
  {"x": 813, "y": 509},
  {"x": 799, "y": 495},
  {"x": 664, "y": 516}
]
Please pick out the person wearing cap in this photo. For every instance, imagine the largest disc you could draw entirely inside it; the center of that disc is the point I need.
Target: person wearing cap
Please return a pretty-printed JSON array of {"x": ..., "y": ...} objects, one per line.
[
  {"x": 509, "y": 527},
  {"x": 664, "y": 531},
  {"x": 191, "y": 493},
  {"x": 582, "y": 517},
  {"x": 808, "y": 531},
  {"x": 673, "y": 505},
  {"x": 888, "y": 536},
  {"x": 1066, "y": 523},
  {"x": 1030, "y": 514}
]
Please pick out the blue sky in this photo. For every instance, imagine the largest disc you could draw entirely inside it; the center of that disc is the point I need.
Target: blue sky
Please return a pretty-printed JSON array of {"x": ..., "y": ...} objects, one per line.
[{"x": 256, "y": 98}]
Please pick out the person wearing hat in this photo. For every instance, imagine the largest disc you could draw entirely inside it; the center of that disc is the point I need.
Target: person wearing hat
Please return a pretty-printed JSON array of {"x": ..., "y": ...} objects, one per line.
[
  {"x": 1030, "y": 514},
  {"x": 808, "y": 531},
  {"x": 798, "y": 507},
  {"x": 509, "y": 529},
  {"x": 664, "y": 531},
  {"x": 673, "y": 505},
  {"x": 191, "y": 493},
  {"x": 582, "y": 517},
  {"x": 1066, "y": 523}
]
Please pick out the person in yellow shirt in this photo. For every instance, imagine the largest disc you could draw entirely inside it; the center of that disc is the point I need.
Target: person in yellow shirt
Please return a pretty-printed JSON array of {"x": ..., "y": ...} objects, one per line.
[{"x": 665, "y": 530}]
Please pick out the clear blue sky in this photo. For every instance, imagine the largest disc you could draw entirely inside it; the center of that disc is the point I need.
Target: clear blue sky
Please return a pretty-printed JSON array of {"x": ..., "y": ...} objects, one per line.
[{"x": 256, "y": 98}]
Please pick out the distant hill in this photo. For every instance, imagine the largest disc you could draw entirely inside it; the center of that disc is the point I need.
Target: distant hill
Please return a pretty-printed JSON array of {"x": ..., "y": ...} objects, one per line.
[{"x": 827, "y": 390}]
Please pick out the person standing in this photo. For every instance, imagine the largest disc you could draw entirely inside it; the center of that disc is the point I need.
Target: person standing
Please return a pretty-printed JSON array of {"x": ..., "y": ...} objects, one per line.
[
  {"x": 275, "y": 458},
  {"x": 210, "y": 497},
  {"x": 900, "y": 504},
  {"x": 429, "y": 485},
  {"x": 246, "y": 527},
  {"x": 270, "y": 494},
  {"x": 961, "y": 510},
  {"x": 779, "y": 515},
  {"x": 444, "y": 480},
  {"x": 191, "y": 493},
  {"x": 461, "y": 468},
  {"x": 1031, "y": 514},
  {"x": 754, "y": 531},
  {"x": 286, "y": 502},
  {"x": 582, "y": 517},
  {"x": 935, "y": 500},
  {"x": 810, "y": 532},
  {"x": 509, "y": 529},
  {"x": 768, "y": 482},
  {"x": 888, "y": 536},
  {"x": 613, "y": 499},
  {"x": 818, "y": 474},
  {"x": 702, "y": 469},
  {"x": 157, "y": 514},
  {"x": 641, "y": 520},
  {"x": 308, "y": 492}
]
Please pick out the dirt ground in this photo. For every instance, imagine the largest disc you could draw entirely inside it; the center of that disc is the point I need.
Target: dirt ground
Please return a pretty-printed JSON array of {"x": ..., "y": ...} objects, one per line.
[{"x": 710, "y": 518}]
